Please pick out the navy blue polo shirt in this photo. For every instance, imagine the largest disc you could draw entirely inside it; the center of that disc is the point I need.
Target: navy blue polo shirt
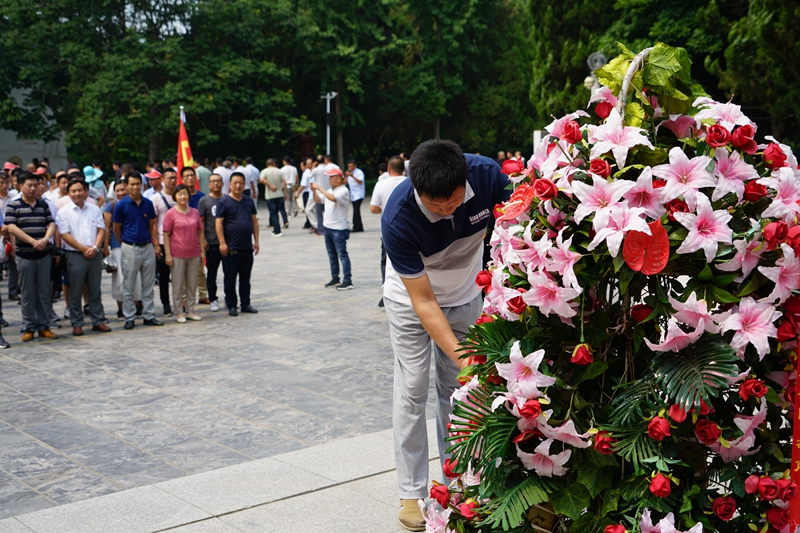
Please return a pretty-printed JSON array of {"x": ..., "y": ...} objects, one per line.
[
  {"x": 237, "y": 221},
  {"x": 194, "y": 200},
  {"x": 135, "y": 219},
  {"x": 448, "y": 249}
]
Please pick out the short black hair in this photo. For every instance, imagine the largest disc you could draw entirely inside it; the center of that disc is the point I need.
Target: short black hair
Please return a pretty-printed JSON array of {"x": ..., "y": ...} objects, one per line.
[
  {"x": 24, "y": 176},
  {"x": 133, "y": 174},
  {"x": 184, "y": 169},
  {"x": 248, "y": 160},
  {"x": 383, "y": 167},
  {"x": 73, "y": 181},
  {"x": 96, "y": 162},
  {"x": 169, "y": 170},
  {"x": 238, "y": 174},
  {"x": 220, "y": 161},
  {"x": 437, "y": 169},
  {"x": 397, "y": 164},
  {"x": 178, "y": 189},
  {"x": 351, "y": 160}
]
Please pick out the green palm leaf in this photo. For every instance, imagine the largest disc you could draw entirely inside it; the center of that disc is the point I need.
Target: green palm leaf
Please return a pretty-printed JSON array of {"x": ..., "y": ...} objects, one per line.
[{"x": 508, "y": 510}]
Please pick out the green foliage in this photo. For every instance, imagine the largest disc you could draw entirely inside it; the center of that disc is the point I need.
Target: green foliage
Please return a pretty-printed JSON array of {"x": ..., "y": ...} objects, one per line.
[{"x": 508, "y": 510}]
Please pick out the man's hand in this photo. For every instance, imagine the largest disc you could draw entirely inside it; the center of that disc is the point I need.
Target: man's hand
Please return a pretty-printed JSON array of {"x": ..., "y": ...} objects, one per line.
[
  {"x": 256, "y": 248},
  {"x": 157, "y": 249},
  {"x": 89, "y": 252},
  {"x": 106, "y": 251},
  {"x": 168, "y": 260},
  {"x": 223, "y": 250},
  {"x": 39, "y": 244},
  {"x": 206, "y": 246}
]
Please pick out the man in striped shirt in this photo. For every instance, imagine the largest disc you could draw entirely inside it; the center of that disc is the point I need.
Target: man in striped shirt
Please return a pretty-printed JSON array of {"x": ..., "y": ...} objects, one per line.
[{"x": 30, "y": 222}]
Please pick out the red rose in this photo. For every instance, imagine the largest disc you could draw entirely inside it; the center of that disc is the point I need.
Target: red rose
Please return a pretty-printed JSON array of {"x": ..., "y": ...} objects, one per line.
[
  {"x": 466, "y": 510},
  {"x": 775, "y": 234},
  {"x": 786, "y": 489},
  {"x": 767, "y": 488},
  {"x": 717, "y": 136},
  {"x": 786, "y": 332},
  {"x": 517, "y": 305},
  {"x": 483, "y": 319},
  {"x": 742, "y": 138},
  {"x": 582, "y": 355},
  {"x": 707, "y": 431},
  {"x": 616, "y": 528},
  {"x": 792, "y": 306},
  {"x": 752, "y": 387},
  {"x": 793, "y": 239},
  {"x": 484, "y": 280},
  {"x": 754, "y": 191},
  {"x": 724, "y": 508},
  {"x": 603, "y": 109},
  {"x": 440, "y": 494},
  {"x": 778, "y": 517},
  {"x": 658, "y": 428},
  {"x": 448, "y": 466},
  {"x": 545, "y": 189},
  {"x": 476, "y": 360},
  {"x": 704, "y": 408},
  {"x": 512, "y": 166},
  {"x": 600, "y": 167},
  {"x": 640, "y": 312},
  {"x": 751, "y": 484},
  {"x": 675, "y": 206},
  {"x": 531, "y": 409},
  {"x": 774, "y": 156},
  {"x": 677, "y": 413},
  {"x": 658, "y": 183},
  {"x": 572, "y": 132},
  {"x": 660, "y": 486},
  {"x": 603, "y": 443}
]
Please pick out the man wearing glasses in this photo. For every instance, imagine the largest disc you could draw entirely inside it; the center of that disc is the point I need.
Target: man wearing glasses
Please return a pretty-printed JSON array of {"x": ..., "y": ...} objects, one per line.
[{"x": 208, "y": 214}]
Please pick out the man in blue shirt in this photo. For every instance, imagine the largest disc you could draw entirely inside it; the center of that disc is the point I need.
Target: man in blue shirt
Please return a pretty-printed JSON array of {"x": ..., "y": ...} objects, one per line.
[
  {"x": 433, "y": 228},
  {"x": 135, "y": 228}
]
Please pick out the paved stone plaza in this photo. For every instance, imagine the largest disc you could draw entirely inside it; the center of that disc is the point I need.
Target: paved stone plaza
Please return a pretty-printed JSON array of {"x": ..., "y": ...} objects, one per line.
[{"x": 90, "y": 416}]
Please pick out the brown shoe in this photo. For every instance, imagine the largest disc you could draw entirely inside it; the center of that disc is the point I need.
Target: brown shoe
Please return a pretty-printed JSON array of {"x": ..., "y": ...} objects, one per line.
[
  {"x": 77, "y": 331},
  {"x": 27, "y": 336},
  {"x": 204, "y": 301},
  {"x": 47, "y": 334},
  {"x": 410, "y": 516},
  {"x": 102, "y": 328}
]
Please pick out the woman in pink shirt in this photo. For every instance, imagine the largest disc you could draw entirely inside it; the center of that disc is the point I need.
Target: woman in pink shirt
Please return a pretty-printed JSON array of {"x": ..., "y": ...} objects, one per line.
[{"x": 183, "y": 243}]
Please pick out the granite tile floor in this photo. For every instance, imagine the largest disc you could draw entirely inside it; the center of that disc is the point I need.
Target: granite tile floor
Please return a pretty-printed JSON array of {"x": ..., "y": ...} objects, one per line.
[{"x": 90, "y": 416}]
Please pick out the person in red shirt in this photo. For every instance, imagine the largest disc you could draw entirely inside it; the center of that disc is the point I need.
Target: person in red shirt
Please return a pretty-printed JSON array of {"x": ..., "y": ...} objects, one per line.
[{"x": 183, "y": 244}]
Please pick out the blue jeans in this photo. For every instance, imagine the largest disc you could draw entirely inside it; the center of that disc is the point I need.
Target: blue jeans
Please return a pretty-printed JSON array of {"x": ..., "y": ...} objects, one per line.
[
  {"x": 276, "y": 205},
  {"x": 336, "y": 243}
]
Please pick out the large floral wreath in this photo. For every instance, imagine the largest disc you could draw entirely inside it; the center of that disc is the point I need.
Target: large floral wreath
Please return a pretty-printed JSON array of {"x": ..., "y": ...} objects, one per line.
[{"x": 634, "y": 368}]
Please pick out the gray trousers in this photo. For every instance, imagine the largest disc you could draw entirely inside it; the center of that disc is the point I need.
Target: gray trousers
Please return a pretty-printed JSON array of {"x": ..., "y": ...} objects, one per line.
[
  {"x": 184, "y": 283},
  {"x": 138, "y": 260},
  {"x": 412, "y": 362},
  {"x": 35, "y": 292},
  {"x": 85, "y": 272}
]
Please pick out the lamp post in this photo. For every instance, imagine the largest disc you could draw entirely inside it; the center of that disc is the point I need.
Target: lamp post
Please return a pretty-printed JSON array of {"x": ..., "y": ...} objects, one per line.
[{"x": 328, "y": 97}]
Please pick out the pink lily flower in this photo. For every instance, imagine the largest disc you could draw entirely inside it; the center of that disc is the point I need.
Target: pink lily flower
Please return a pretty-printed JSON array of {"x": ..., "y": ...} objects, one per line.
[
  {"x": 727, "y": 115},
  {"x": 785, "y": 275},
  {"x": 565, "y": 433},
  {"x": 599, "y": 198},
  {"x": 707, "y": 229},
  {"x": 535, "y": 255},
  {"x": 556, "y": 128},
  {"x": 562, "y": 260},
  {"x": 542, "y": 462},
  {"x": 555, "y": 217},
  {"x": 522, "y": 373},
  {"x": 470, "y": 478},
  {"x": 603, "y": 94},
  {"x": 754, "y": 323},
  {"x": 676, "y": 339},
  {"x": 741, "y": 446},
  {"x": 462, "y": 394},
  {"x": 684, "y": 177},
  {"x": 694, "y": 313},
  {"x": 645, "y": 196},
  {"x": 436, "y": 518},
  {"x": 622, "y": 219},
  {"x": 668, "y": 526},
  {"x": 548, "y": 296},
  {"x": 498, "y": 296},
  {"x": 681, "y": 125},
  {"x": 646, "y": 523},
  {"x": 731, "y": 172},
  {"x": 784, "y": 205},
  {"x": 747, "y": 257},
  {"x": 616, "y": 138}
]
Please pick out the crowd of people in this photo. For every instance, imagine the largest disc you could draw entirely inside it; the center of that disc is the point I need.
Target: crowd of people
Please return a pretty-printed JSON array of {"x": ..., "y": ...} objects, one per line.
[{"x": 161, "y": 227}]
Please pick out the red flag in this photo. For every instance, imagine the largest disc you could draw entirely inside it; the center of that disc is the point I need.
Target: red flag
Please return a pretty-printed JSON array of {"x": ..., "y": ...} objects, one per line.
[{"x": 184, "y": 150}]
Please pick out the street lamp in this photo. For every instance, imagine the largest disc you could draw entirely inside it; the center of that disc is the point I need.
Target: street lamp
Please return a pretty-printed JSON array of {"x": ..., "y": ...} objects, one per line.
[{"x": 328, "y": 97}]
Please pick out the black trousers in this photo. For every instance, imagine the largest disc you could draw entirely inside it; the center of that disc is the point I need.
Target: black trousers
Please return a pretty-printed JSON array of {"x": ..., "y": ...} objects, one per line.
[
  {"x": 238, "y": 263},
  {"x": 213, "y": 260},
  {"x": 357, "y": 225},
  {"x": 163, "y": 281}
]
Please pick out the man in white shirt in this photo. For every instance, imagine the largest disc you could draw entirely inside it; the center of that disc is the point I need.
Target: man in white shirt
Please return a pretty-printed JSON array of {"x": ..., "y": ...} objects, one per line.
[
  {"x": 224, "y": 170},
  {"x": 320, "y": 177},
  {"x": 154, "y": 178},
  {"x": 305, "y": 188},
  {"x": 355, "y": 181},
  {"x": 290, "y": 177},
  {"x": 380, "y": 194},
  {"x": 251, "y": 173},
  {"x": 337, "y": 201},
  {"x": 82, "y": 231},
  {"x": 162, "y": 201}
]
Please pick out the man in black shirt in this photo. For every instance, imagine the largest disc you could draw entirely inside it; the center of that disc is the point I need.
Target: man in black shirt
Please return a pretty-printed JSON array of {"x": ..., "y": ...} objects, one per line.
[
  {"x": 237, "y": 225},
  {"x": 30, "y": 222}
]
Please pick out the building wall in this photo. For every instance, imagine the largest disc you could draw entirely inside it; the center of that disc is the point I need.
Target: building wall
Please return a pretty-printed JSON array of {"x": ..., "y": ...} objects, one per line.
[{"x": 55, "y": 152}]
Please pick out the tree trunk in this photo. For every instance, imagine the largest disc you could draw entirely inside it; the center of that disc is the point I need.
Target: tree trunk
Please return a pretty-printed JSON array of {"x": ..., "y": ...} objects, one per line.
[
  {"x": 152, "y": 151},
  {"x": 436, "y": 128},
  {"x": 339, "y": 137}
]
